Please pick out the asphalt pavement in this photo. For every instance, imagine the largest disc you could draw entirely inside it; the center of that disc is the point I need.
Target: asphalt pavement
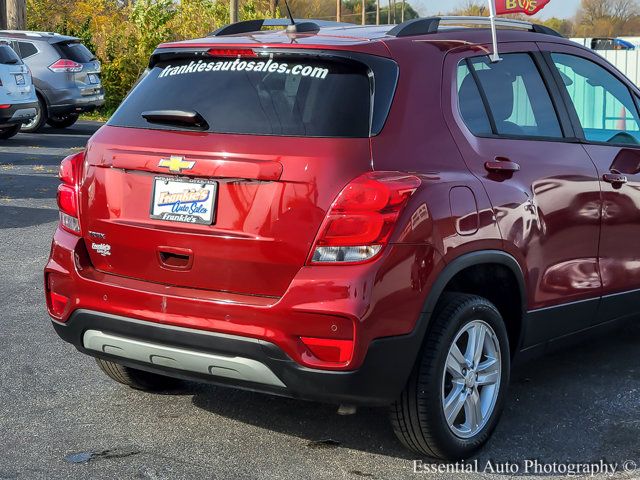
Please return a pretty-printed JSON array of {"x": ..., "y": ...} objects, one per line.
[{"x": 60, "y": 417}]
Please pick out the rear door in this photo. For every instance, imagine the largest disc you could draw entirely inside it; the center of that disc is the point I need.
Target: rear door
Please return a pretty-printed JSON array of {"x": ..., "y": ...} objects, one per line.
[
  {"x": 604, "y": 106},
  {"x": 227, "y": 190},
  {"x": 543, "y": 186}
]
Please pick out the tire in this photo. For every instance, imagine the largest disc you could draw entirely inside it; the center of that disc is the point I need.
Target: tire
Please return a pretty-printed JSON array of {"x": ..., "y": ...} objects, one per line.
[
  {"x": 8, "y": 132},
  {"x": 40, "y": 119},
  {"x": 418, "y": 416},
  {"x": 64, "y": 121},
  {"x": 138, "y": 379}
]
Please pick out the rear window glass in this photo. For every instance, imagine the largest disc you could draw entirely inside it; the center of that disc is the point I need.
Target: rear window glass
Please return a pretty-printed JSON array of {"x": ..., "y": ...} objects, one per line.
[
  {"x": 8, "y": 55},
  {"x": 75, "y": 51},
  {"x": 280, "y": 96}
]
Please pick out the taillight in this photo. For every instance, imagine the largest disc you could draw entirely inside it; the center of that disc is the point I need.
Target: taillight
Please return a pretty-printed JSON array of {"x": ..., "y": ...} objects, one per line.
[
  {"x": 64, "y": 65},
  {"x": 70, "y": 170},
  {"x": 361, "y": 220}
]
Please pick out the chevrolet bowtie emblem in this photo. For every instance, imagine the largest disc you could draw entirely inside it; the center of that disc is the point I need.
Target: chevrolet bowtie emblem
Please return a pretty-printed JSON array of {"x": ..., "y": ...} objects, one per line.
[{"x": 176, "y": 164}]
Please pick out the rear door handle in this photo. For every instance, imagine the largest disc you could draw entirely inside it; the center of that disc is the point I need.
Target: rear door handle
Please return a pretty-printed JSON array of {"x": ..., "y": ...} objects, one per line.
[
  {"x": 502, "y": 165},
  {"x": 616, "y": 179}
]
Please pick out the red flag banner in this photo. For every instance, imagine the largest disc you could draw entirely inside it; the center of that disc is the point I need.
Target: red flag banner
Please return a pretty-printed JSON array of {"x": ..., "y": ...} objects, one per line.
[{"x": 528, "y": 7}]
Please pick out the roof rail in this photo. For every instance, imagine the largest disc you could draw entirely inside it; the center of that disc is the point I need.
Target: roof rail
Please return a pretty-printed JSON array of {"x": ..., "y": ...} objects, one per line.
[
  {"x": 303, "y": 25},
  {"x": 424, "y": 26}
]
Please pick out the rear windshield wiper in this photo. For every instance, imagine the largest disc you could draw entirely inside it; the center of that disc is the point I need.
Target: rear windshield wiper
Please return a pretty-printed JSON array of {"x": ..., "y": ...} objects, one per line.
[{"x": 180, "y": 118}]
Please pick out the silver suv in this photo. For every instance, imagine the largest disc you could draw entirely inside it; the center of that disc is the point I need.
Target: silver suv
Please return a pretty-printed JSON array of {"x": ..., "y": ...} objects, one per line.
[
  {"x": 17, "y": 95},
  {"x": 66, "y": 76}
]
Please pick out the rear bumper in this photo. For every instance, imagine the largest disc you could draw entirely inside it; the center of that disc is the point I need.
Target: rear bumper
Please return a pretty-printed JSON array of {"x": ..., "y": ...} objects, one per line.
[
  {"x": 378, "y": 305},
  {"x": 18, "y": 113},
  {"x": 73, "y": 100},
  {"x": 241, "y": 362}
]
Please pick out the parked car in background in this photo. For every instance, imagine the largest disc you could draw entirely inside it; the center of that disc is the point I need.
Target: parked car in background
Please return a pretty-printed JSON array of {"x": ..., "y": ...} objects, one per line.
[
  {"x": 605, "y": 43},
  {"x": 18, "y": 101},
  {"x": 66, "y": 75},
  {"x": 611, "y": 44}
]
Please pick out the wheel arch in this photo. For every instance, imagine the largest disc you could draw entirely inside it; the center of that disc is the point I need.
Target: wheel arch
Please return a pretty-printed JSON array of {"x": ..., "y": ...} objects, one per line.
[{"x": 462, "y": 264}]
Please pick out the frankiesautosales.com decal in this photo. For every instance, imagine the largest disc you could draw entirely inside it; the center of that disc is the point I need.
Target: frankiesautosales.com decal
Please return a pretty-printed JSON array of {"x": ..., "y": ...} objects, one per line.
[{"x": 238, "y": 65}]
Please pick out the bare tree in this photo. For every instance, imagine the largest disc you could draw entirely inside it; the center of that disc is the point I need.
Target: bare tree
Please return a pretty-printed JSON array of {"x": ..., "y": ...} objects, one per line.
[
  {"x": 623, "y": 10},
  {"x": 591, "y": 11},
  {"x": 606, "y": 17}
]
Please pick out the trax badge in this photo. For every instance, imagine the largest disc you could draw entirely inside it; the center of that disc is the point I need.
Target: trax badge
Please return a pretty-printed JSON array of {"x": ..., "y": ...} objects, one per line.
[
  {"x": 176, "y": 164},
  {"x": 102, "y": 248}
]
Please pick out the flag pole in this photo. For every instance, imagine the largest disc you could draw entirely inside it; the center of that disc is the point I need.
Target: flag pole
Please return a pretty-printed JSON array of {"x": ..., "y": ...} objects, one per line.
[{"x": 495, "y": 57}]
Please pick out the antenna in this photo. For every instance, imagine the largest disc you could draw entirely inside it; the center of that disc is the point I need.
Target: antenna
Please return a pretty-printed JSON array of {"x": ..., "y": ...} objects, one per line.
[{"x": 292, "y": 28}]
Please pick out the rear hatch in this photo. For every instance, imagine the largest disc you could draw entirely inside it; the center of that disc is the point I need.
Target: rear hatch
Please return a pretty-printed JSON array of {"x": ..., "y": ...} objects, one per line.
[
  {"x": 87, "y": 79},
  {"x": 15, "y": 78},
  {"x": 216, "y": 173}
]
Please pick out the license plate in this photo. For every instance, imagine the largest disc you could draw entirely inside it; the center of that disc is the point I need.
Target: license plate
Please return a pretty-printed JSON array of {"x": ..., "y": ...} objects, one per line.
[
  {"x": 185, "y": 201},
  {"x": 93, "y": 79},
  {"x": 20, "y": 79}
]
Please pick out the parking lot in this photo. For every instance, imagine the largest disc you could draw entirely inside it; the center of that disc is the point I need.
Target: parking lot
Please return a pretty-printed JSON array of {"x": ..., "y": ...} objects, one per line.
[{"x": 62, "y": 418}]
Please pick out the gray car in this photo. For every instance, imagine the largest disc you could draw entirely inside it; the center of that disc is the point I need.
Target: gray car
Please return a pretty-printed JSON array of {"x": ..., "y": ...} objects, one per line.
[{"x": 65, "y": 73}]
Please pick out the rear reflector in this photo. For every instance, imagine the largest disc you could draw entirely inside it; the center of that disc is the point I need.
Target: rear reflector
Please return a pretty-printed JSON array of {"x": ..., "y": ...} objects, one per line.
[
  {"x": 58, "y": 303},
  {"x": 329, "y": 350}
]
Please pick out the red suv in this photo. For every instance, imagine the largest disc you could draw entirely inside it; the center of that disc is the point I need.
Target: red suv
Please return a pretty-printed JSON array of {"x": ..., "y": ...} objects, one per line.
[{"x": 356, "y": 215}]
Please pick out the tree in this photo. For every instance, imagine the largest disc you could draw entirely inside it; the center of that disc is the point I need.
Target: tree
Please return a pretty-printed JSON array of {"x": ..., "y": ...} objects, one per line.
[
  {"x": 472, "y": 8},
  {"x": 16, "y": 14},
  {"x": 606, "y": 17}
]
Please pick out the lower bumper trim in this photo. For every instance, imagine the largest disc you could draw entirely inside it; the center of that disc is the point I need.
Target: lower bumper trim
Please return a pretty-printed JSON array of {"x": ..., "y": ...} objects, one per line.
[{"x": 238, "y": 368}]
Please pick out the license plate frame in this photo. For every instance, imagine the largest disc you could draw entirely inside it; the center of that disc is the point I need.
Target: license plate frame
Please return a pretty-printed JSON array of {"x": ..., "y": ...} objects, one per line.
[{"x": 181, "y": 201}]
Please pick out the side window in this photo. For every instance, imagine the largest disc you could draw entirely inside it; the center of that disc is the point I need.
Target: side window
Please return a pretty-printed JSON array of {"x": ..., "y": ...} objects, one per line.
[
  {"x": 470, "y": 103},
  {"x": 27, "y": 49},
  {"x": 517, "y": 99},
  {"x": 603, "y": 103}
]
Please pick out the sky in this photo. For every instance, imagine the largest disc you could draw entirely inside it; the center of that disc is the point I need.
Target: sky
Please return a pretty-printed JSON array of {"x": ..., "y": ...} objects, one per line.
[{"x": 557, "y": 8}]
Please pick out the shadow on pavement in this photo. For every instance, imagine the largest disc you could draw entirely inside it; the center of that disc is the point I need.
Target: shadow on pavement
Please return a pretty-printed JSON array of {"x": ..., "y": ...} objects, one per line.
[
  {"x": 20, "y": 217},
  {"x": 28, "y": 186},
  {"x": 577, "y": 405}
]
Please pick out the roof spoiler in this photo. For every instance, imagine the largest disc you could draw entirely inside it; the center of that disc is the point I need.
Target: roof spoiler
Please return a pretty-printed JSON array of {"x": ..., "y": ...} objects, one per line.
[{"x": 304, "y": 25}]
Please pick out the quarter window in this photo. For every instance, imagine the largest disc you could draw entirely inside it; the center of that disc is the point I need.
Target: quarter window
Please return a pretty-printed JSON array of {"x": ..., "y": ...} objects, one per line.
[
  {"x": 603, "y": 103},
  {"x": 517, "y": 99},
  {"x": 27, "y": 49}
]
